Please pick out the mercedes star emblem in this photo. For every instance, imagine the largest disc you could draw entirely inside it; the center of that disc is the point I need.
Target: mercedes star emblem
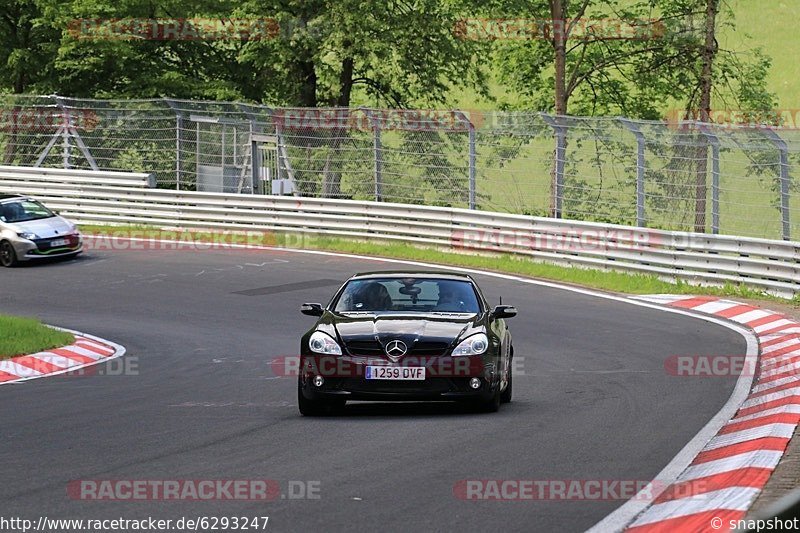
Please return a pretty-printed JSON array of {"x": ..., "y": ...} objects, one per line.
[{"x": 396, "y": 349}]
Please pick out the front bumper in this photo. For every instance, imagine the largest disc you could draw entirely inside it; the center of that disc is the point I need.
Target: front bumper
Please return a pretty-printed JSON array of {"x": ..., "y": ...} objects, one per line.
[
  {"x": 28, "y": 250},
  {"x": 446, "y": 379}
]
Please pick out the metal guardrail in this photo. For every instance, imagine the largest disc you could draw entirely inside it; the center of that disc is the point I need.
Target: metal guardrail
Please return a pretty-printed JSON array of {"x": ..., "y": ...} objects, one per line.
[
  {"x": 96, "y": 197},
  {"x": 10, "y": 175}
]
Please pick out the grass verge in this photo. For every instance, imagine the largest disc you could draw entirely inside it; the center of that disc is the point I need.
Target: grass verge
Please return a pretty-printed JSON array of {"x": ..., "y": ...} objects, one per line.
[
  {"x": 617, "y": 282},
  {"x": 22, "y": 336}
]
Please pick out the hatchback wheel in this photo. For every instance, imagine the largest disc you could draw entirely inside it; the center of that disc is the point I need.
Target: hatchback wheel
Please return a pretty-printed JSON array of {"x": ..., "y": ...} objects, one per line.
[{"x": 8, "y": 257}]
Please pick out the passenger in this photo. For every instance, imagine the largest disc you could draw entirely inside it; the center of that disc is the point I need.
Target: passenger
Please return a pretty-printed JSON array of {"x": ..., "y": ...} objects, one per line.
[
  {"x": 374, "y": 297},
  {"x": 450, "y": 298}
]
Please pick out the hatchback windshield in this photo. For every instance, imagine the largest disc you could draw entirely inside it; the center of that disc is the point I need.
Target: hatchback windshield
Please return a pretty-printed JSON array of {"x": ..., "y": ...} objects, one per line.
[
  {"x": 23, "y": 210},
  {"x": 408, "y": 294}
]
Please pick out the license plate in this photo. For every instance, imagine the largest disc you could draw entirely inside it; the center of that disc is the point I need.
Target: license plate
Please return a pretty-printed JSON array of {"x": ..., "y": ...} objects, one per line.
[
  {"x": 59, "y": 242},
  {"x": 401, "y": 373}
]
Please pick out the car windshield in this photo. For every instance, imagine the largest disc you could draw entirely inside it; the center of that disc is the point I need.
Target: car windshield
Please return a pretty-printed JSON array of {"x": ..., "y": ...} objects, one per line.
[
  {"x": 408, "y": 294},
  {"x": 23, "y": 210}
]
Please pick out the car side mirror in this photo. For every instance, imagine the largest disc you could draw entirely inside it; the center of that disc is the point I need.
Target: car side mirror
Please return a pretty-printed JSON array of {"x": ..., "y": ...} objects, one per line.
[
  {"x": 504, "y": 311},
  {"x": 311, "y": 309}
]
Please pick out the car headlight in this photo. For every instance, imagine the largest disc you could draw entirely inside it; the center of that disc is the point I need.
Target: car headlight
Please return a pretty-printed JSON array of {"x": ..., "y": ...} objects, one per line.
[
  {"x": 474, "y": 345},
  {"x": 323, "y": 343},
  {"x": 28, "y": 235}
]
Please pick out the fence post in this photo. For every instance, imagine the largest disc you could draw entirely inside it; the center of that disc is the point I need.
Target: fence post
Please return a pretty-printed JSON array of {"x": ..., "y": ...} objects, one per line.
[
  {"x": 66, "y": 146},
  {"x": 714, "y": 141},
  {"x": 560, "y": 131},
  {"x": 377, "y": 149},
  {"x": 278, "y": 135},
  {"x": 378, "y": 163},
  {"x": 785, "y": 181},
  {"x": 472, "y": 160},
  {"x": 178, "y": 141},
  {"x": 472, "y": 164},
  {"x": 255, "y": 163},
  {"x": 641, "y": 219}
]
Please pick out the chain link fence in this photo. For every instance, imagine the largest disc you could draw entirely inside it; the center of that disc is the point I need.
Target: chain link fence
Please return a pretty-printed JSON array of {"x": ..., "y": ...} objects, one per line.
[{"x": 671, "y": 175}]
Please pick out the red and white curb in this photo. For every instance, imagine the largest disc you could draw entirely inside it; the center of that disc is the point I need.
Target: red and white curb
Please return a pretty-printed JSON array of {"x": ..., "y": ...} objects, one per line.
[
  {"x": 87, "y": 350},
  {"x": 726, "y": 476}
]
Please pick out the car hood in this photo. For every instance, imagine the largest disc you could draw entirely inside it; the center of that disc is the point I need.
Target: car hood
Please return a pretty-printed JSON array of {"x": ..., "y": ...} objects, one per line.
[
  {"x": 409, "y": 329},
  {"x": 44, "y": 227}
]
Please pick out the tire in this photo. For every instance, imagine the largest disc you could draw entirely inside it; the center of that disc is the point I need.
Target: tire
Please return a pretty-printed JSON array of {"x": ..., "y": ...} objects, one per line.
[
  {"x": 316, "y": 407},
  {"x": 505, "y": 397},
  {"x": 8, "y": 257},
  {"x": 491, "y": 405}
]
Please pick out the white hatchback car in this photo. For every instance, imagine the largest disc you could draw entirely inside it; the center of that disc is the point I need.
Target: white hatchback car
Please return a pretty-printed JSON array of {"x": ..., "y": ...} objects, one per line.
[{"x": 28, "y": 231}]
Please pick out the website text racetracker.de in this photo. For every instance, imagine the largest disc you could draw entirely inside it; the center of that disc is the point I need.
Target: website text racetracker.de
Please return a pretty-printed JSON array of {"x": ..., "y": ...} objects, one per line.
[
  {"x": 200, "y": 523},
  {"x": 575, "y": 489},
  {"x": 191, "y": 489}
]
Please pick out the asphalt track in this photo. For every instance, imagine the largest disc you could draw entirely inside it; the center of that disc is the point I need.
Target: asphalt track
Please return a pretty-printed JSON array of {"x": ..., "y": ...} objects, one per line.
[{"x": 201, "y": 400}]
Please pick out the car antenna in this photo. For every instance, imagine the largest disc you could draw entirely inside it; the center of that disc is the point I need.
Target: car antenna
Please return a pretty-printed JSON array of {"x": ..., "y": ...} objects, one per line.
[{"x": 501, "y": 300}]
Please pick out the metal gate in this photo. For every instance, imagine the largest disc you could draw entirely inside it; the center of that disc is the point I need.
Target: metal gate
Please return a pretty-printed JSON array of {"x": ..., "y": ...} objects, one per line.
[{"x": 223, "y": 155}]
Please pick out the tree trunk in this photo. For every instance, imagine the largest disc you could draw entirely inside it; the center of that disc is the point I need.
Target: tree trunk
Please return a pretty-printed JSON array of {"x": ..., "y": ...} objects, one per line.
[
  {"x": 308, "y": 87},
  {"x": 345, "y": 79},
  {"x": 706, "y": 84},
  {"x": 559, "y": 42}
]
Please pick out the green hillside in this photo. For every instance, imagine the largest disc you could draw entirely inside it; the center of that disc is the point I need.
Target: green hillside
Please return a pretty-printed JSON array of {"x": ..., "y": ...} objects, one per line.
[
  {"x": 769, "y": 25},
  {"x": 772, "y": 25}
]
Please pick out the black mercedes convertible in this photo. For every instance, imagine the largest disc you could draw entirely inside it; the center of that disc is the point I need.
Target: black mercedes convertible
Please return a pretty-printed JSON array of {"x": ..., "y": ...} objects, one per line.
[{"x": 407, "y": 336}]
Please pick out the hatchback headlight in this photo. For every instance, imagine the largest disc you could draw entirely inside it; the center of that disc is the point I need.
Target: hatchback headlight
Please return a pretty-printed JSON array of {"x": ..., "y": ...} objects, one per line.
[
  {"x": 474, "y": 345},
  {"x": 28, "y": 235},
  {"x": 323, "y": 343}
]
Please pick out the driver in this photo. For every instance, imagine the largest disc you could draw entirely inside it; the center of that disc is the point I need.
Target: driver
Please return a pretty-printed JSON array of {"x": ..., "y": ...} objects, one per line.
[
  {"x": 375, "y": 297},
  {"x": 449, "y": 298}
]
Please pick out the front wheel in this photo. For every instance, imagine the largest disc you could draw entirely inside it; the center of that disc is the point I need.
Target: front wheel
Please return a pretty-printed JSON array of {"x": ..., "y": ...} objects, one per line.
[
  {"x": 316, "y": 407},
  {"x": 8, "y": 257},
  {"x": 505, "y": 397},
  {"x": 492, "y": 405}
]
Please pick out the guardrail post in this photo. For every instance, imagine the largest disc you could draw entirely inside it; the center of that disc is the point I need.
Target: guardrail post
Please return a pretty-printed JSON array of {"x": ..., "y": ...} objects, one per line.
[
  {"x": 714, "y": 141},
  {"x": 785, "y": 181},
  {"x": 560, "y": 131},
  {"x": 634, "y": 128}
]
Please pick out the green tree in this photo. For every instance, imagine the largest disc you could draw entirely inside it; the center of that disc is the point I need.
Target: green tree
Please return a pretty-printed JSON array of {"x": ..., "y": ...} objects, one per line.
[
  {"x": 630, "y": 58},
  {"x": 394, "y": 53},
  {"x": 28, "y": 44},
  {"x": 93, "y": 62}
]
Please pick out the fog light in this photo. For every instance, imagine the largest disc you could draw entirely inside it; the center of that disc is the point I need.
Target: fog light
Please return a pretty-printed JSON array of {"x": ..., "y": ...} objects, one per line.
[
  {"x": 318, "y": 381},
  {"x": 475, "y": 383}
]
